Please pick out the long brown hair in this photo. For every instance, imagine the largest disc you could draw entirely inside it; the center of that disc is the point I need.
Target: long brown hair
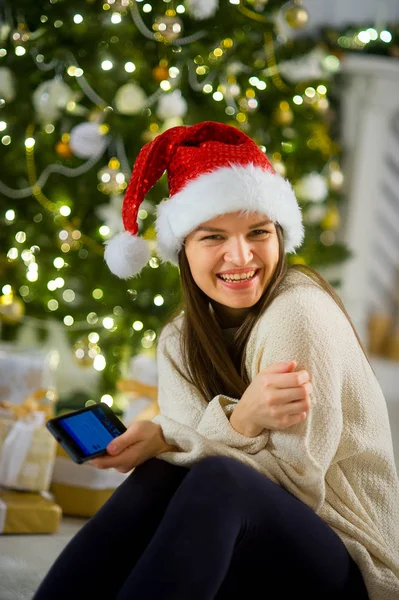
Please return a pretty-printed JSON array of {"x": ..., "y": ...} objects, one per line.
[{"x": 209, "y": 365}]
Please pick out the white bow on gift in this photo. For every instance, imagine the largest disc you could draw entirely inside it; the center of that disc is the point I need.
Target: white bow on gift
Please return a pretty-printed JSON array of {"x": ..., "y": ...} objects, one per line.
[{"x": 16, "y": 446}]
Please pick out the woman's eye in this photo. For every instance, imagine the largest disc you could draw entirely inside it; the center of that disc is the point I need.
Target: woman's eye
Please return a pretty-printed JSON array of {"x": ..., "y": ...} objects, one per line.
[
  {"x": 260, "y": 231},
  {"x": 256, "y": 232}
]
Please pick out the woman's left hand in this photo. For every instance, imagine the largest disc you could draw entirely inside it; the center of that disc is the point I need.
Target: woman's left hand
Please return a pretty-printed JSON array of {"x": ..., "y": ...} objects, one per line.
[{"x": 141, "y": 441}]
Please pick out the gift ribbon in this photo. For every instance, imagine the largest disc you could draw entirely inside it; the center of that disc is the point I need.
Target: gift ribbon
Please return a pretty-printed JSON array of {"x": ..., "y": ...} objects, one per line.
[
  {"x": 3, "y": 512},
  {"x": 16, "y": 446},
  {"x": 139, "y": 389},
  {"x": 32, "y": 403},
  {"x": 66, "y": 472}
]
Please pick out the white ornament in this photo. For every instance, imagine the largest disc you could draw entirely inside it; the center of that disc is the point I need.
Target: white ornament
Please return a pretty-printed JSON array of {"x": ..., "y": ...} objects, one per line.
[
  {"x": 130, "y": 99},
  {"x": 51, "y": 98},
  {"x": 169, "y": 123},
  {"x": 312, "y": 187},
  {"x": 202, "y": 9},
  {"x": 111, "y": 213},
  {"x": 306, "y": 68},
  {"x": 7, "y": 84},
  {"x": 315, "y": 214},
  {"x": 86, "y": 140},
  {"x": 172, "y": 105}
]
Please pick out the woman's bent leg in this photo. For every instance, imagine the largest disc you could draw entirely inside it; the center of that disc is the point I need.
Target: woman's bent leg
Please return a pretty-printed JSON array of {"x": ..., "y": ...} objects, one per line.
[
  {"x": 98, "y": 559},
  {"x": 229, "y": 531}
]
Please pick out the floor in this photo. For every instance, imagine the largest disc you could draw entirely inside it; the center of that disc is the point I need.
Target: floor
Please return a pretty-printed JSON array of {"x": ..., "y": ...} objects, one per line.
[{"x": 25, "y": 559}]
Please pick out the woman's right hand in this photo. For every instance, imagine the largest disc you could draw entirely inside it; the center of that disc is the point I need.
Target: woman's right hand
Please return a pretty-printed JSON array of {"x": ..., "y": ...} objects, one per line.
[{"x": 277, "y": 398}]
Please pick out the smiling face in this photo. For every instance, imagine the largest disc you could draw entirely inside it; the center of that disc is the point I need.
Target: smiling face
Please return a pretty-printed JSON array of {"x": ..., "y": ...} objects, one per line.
[{"x": 232, "y": 259}]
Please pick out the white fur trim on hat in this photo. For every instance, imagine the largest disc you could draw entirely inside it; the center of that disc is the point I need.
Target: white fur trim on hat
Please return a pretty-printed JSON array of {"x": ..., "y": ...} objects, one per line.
[
  {"x": 126, "y": 254},
  {"x": 228, "y": 189}
]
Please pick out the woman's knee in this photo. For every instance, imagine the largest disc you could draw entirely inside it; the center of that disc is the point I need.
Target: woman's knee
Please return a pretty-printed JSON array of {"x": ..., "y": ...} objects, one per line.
[{"x": 215, "y": 472}]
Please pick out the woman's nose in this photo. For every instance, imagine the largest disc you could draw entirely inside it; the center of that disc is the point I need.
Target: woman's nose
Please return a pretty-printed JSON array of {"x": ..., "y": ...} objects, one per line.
[{"x": 238, "y": 251}]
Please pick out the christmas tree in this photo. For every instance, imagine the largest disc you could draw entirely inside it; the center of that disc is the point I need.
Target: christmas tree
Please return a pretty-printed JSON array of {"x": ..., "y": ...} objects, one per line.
[{"x": 84, "y": 84}]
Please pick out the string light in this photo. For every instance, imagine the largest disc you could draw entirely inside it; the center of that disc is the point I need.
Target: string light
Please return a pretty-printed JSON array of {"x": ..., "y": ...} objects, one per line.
[
  {"x": 10, "y": 215},
  {"x": 107, "y": 399},
  {"x": 386, "y": 36},
  {"x": 59, "y": 262},
  {"x": 106, "y": 65},
  {"x": 65, "y": 211},
  {"x": 20, "y": 237},
  {"x": 97, "y": 294},
  {"x": 59, "y": 282},
  {"x": 52, "y": 305},
  {"x": 12, "y": 253},
  {"x": 68, "y": 295},
  {"x": 104, "y": 230},
  {"x": 99, "y": 363},
  {"x": 108, "y": 322}
]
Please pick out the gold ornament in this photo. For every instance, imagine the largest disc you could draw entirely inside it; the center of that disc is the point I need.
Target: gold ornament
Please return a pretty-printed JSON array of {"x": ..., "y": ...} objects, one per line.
[
  {"x": 296, "y": 16},
  {"x": 21, "y": 35},
  {"x": 160, "y": 73},
  {"x": 69, "y": 239},
  {"x": 283, "y": 115},
  {"x": 84, "y": 352},
  {"x": 168, "y": 28},
  {"x": 63, "y": 149},
  {"x": 112, "y": 180},
  {"x": 12, "y": 309},
  {"x": 331, "y": 221}
]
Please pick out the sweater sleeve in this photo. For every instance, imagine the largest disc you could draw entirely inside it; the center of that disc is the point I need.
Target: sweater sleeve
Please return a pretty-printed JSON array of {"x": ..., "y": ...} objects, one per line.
[
  {"x": 181, "y": 404},
  {"x": 304, "y": 324}
]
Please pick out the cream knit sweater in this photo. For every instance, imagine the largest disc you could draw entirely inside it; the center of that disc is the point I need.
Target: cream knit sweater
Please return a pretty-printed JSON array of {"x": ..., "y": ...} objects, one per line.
[{"x": 339, "y": 461}]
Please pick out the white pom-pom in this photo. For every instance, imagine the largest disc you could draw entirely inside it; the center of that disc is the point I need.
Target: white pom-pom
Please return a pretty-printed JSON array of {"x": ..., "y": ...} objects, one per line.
[{"x": 126, "y": 254}]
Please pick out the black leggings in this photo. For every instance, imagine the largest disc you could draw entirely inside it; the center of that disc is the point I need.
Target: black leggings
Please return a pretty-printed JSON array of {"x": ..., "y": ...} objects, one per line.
[{"x": 219, "y": 530}]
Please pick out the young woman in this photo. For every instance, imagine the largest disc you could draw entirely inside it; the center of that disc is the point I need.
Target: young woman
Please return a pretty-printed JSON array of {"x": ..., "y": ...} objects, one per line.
[{"x": 269, "y": 471}]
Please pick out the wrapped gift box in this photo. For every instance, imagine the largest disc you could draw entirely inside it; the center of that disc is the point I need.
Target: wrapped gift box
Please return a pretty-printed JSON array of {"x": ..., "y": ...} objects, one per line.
[
  {"x": 81, "y": 490},
  {"x": 27, "y": 451},
  {"x": 25, "y": 512},
  {"x": 142, "y": 389},
  {"x": 24, "y": 371}
]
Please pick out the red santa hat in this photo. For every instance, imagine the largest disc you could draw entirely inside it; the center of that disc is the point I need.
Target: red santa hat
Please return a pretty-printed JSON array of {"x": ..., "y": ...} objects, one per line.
[{"x": 212, "y": 169}]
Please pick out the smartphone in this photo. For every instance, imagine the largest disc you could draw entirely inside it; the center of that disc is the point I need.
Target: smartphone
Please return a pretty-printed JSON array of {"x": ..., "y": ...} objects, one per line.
[{"x": 86, "y": 433}]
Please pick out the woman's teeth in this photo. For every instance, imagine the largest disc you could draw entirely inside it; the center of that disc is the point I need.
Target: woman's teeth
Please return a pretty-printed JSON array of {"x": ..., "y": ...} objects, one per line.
[{"x": 238, "y": 276}]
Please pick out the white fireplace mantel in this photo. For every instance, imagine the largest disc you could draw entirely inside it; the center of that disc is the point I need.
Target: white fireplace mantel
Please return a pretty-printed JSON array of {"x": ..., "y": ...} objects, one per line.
[
  {"x": 370, "y": 103},
  {"x": 370, "y": 217}
]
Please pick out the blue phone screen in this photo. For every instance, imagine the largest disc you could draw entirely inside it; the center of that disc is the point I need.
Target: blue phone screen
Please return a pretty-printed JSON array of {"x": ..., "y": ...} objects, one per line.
[{"x": 91, "y": 430}]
